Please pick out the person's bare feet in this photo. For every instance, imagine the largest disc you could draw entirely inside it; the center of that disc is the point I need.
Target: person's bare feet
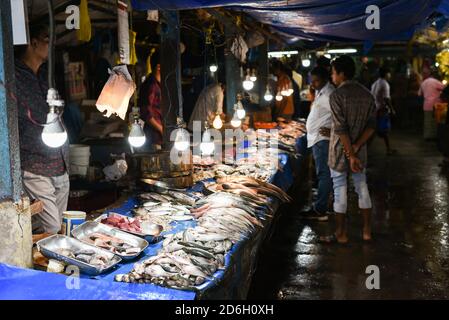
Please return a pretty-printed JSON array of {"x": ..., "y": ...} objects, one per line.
[{"x": 367, "y": 235}]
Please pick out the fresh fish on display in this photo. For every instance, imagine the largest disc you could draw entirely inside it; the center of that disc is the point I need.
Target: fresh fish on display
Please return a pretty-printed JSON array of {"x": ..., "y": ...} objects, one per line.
[
  {"x": 182, "y": 198},
  {"x": 112, "y": 244},
  {"x": 86, "y": 256}
]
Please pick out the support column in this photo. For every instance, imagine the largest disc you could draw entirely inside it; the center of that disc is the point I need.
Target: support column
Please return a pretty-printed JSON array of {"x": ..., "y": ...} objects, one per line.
[
  {"x": 263, "y": 72},
  {"x": 15, "y": 218},
  {"x": 170, "y": 73},
  {"x": 233, "y": 81}
]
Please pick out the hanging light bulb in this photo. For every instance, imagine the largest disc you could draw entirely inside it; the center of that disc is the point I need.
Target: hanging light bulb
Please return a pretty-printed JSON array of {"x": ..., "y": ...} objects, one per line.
[
  {"x": 253, "y": 76},
  {"x": 268, "y": 95},
  {"x": 290, "y": 90},
  {"x": 278, "y": 96},
  {"x": 236, "y": 122},
  {"x": 213, "y": 68},
  {"x": 182, "y": 142},
  {"x": 54, "y": 134},
  {"x": 207, "y": 146},
  {"x": 284, "y": 92},
  {"x": 247, "y": 83},
  {"x": 218, "y": 123},
  {"x": 306, "y": 63},
  {"x": 241, "y": 113},
  {"x": 182, "y": 138},
  {"x": 136, "y": 136}
]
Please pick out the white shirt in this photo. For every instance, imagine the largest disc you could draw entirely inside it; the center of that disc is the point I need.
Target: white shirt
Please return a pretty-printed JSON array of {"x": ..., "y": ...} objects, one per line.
[
  {"x": 381, "y": 91},
  {"x": 320, "y": 115},
  {"x": 209, "y": 103}
]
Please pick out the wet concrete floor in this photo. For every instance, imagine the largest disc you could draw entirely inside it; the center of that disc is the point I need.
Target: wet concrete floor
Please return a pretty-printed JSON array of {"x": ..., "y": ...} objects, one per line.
[{"x": 410, "y": 230}]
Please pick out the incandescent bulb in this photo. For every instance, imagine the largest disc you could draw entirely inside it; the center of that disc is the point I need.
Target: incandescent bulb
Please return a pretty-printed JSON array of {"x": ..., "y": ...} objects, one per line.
[
  {"x": 268, "y": 96},
  {"x": 236, "y": 122},
  {"x": 241, "y": 113},
  {"x": 54, "y": 134},
  {"x": 306, "y": 63},
  {"x": 136, "y": 136},
  {"x": 207, "y": 146},
  {"x": 290, "y": 92},
  {"x": 213, "y": 68},
  {"x": 284, "y": 92},
  {"x": 248, "y": 84},
  {"x": 182, "y": 140},
  {"x": 218, "y": 123},
  {"x": 278, "y": 97}
]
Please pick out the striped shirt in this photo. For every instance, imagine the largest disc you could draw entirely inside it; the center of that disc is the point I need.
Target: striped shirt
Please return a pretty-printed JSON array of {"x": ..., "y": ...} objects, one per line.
[{"x": 35, "y": 156}]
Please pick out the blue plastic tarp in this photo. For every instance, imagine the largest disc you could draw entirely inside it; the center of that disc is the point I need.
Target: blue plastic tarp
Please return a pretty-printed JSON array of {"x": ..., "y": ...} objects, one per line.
[
  {"x": 25, "y": 284},
  {"x": 325, "y": 20},
  {"x": 231, "y": 283}
]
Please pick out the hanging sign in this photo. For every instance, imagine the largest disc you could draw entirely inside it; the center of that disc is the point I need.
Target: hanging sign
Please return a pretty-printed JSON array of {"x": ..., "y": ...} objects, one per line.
[
  {"x": 19, "y": 17},
  {"x": 123, "y": 32}
]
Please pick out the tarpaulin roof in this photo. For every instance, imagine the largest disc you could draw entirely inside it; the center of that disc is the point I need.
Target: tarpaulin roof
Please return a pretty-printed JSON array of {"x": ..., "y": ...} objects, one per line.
[{"x": 324, "y": 20}]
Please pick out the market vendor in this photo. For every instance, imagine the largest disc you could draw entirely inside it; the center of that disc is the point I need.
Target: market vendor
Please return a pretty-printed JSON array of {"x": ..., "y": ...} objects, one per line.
[
  {"x": 208, "y": 105},
  {"x": 149, "y": 102},
  {"x": 44, "y": 169},
  {"x": 284, "y": 108}
]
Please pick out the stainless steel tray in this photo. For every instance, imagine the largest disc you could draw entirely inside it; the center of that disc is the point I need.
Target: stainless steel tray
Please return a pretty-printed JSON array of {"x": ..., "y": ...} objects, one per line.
[
  {"x": 145, "y": 226},
  {"x": 49, "y": 246},
  {"x": 84, "y": 230}
]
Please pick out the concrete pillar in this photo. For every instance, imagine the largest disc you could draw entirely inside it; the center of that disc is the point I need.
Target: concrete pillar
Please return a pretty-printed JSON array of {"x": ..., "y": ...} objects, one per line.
[
  {"x": 233, "y": 80},
  {"x": 170, "y": 72},
  {"x": 15, "y": 219},
  {"x": 263, "y": 72}
]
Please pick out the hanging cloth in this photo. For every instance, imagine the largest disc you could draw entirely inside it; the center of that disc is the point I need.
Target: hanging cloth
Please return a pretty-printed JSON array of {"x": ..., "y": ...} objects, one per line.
[
  {"x": 85, "y": 31},
  {"x": 132, "y": 47},
  {"x": 152, "y": 51}
]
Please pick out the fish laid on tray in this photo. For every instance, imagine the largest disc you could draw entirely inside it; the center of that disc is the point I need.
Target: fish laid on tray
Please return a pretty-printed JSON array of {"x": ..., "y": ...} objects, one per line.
[
  {"x": 123, "y": 223},
  {"x": 186, "y": 260},
  {"x": 86, "y": 256},
  {"x": 112, "y": 244}
]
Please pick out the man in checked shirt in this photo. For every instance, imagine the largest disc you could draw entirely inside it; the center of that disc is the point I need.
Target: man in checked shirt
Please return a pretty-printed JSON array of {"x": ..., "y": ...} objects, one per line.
[{"x": 353, "y": 123}]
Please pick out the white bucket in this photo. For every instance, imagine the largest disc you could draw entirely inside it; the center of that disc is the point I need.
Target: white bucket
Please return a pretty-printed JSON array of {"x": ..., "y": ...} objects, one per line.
[
  {"x": 72, "y": 219},
  {"x": 77, "y": 170},
  {"x": 79, "y": 155}
]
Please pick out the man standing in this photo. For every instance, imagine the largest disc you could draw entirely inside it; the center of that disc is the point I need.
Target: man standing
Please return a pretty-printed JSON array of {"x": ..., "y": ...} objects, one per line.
[
  {"x": 381, "y": 92},
  {"x": 285, "y": 107},
  {"x": 44, "y": 169},
  {"x": 149, "y": 102},
  {"x": 319, "y": 120},
  {"x": 353, "y": 123},
  {"x": 208, "y": 105}
]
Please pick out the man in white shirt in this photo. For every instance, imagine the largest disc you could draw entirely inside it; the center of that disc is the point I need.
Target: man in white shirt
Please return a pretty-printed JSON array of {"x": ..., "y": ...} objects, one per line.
[
  {"x": 318, "y": 125},
  {"x": 208, "y": 105},
  {"x": 381, "y": 92}
]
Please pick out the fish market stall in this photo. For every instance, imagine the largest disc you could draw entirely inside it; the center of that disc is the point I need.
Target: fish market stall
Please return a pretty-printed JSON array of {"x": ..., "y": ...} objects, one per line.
[{"x": 202, "y": 243}]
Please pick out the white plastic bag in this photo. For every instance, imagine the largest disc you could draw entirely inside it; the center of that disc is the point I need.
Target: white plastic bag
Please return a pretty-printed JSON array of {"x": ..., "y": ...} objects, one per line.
[
  {"x": 116, "y": 171},
  {"x": 239, "y": 49},
  {"x": 114, "y": 98}
]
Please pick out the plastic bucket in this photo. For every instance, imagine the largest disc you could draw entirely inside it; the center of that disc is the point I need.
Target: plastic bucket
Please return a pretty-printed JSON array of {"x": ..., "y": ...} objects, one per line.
[
  {"x": 72, "y": 219},
  {"x": 79, "y": 154},
  {"x": 77, "y": 170}
]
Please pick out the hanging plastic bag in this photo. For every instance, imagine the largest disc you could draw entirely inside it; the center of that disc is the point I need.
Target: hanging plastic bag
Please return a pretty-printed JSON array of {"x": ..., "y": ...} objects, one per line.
[
  {"x": 85, "y": 31},
  {"x": 239, "y": 49},
  {"x": 114, "y": 98}
]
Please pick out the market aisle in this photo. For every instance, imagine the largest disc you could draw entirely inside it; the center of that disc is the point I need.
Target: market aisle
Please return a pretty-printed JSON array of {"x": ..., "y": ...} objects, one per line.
[{"x": 411, "y": 234}]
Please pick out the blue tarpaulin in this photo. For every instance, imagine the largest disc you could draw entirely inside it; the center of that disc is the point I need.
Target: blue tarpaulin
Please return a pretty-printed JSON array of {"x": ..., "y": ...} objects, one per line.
[
  {"x": 231, "y": 283},
  {"x": 325, "y": 20}
]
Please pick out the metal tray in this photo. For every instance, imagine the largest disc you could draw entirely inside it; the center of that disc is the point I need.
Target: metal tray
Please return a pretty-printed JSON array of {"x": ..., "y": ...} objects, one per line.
[
  {"x": 143, "y": 225},
  {"x": 84, "y": 230},
  {"x": 50, "y": 245}
]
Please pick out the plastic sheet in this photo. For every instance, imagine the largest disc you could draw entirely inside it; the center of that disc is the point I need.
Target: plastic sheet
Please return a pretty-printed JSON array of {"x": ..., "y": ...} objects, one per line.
[
  {"x": 325, "y": 20},
  {"x": 231, "y": 283},
  {"x": 24, "y": 284}
]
